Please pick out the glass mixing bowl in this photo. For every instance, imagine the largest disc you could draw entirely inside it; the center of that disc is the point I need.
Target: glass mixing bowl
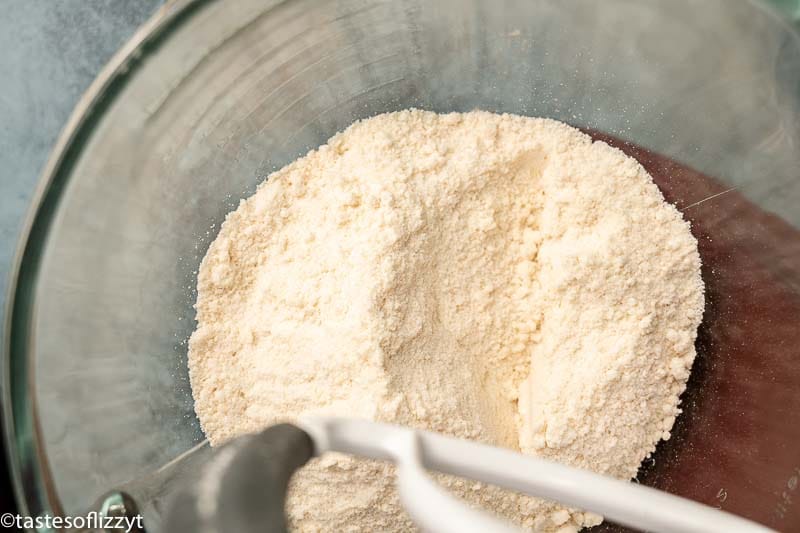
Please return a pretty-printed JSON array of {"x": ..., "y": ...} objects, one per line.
[{"x": 211, "y": 96}]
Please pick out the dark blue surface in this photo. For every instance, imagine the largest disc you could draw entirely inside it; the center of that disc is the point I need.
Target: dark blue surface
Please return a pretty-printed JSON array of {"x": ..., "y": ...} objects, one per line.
[{"x": 50, "y": 51}]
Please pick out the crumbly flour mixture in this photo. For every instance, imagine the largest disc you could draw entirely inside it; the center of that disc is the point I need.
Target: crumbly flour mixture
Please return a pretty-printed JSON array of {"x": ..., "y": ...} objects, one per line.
[{"x": 492, "y": 277}]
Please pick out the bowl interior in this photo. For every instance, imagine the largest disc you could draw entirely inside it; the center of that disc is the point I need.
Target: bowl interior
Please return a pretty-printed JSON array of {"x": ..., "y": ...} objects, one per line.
[{"x": 231, "y": 90}]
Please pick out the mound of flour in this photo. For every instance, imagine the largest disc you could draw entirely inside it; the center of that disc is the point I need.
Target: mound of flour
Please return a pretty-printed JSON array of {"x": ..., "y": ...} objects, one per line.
[{"x": 491, "y": 277}]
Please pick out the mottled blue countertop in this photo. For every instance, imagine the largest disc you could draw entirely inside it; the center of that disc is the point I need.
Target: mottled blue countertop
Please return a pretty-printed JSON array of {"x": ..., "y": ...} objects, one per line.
[{"x": 49, "y": 54}]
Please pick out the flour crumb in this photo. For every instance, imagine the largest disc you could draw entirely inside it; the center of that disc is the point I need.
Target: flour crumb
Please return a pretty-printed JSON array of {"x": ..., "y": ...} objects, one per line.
[{"x": 491, "y": 277}]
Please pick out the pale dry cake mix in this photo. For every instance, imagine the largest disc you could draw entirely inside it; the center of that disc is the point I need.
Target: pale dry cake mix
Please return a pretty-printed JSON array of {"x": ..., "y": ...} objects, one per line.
[{"x": 492, "y": 277}]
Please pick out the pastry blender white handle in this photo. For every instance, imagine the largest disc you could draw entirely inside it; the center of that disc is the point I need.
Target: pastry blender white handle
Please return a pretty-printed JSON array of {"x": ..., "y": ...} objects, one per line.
[{"x": 434, "y": 510}]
